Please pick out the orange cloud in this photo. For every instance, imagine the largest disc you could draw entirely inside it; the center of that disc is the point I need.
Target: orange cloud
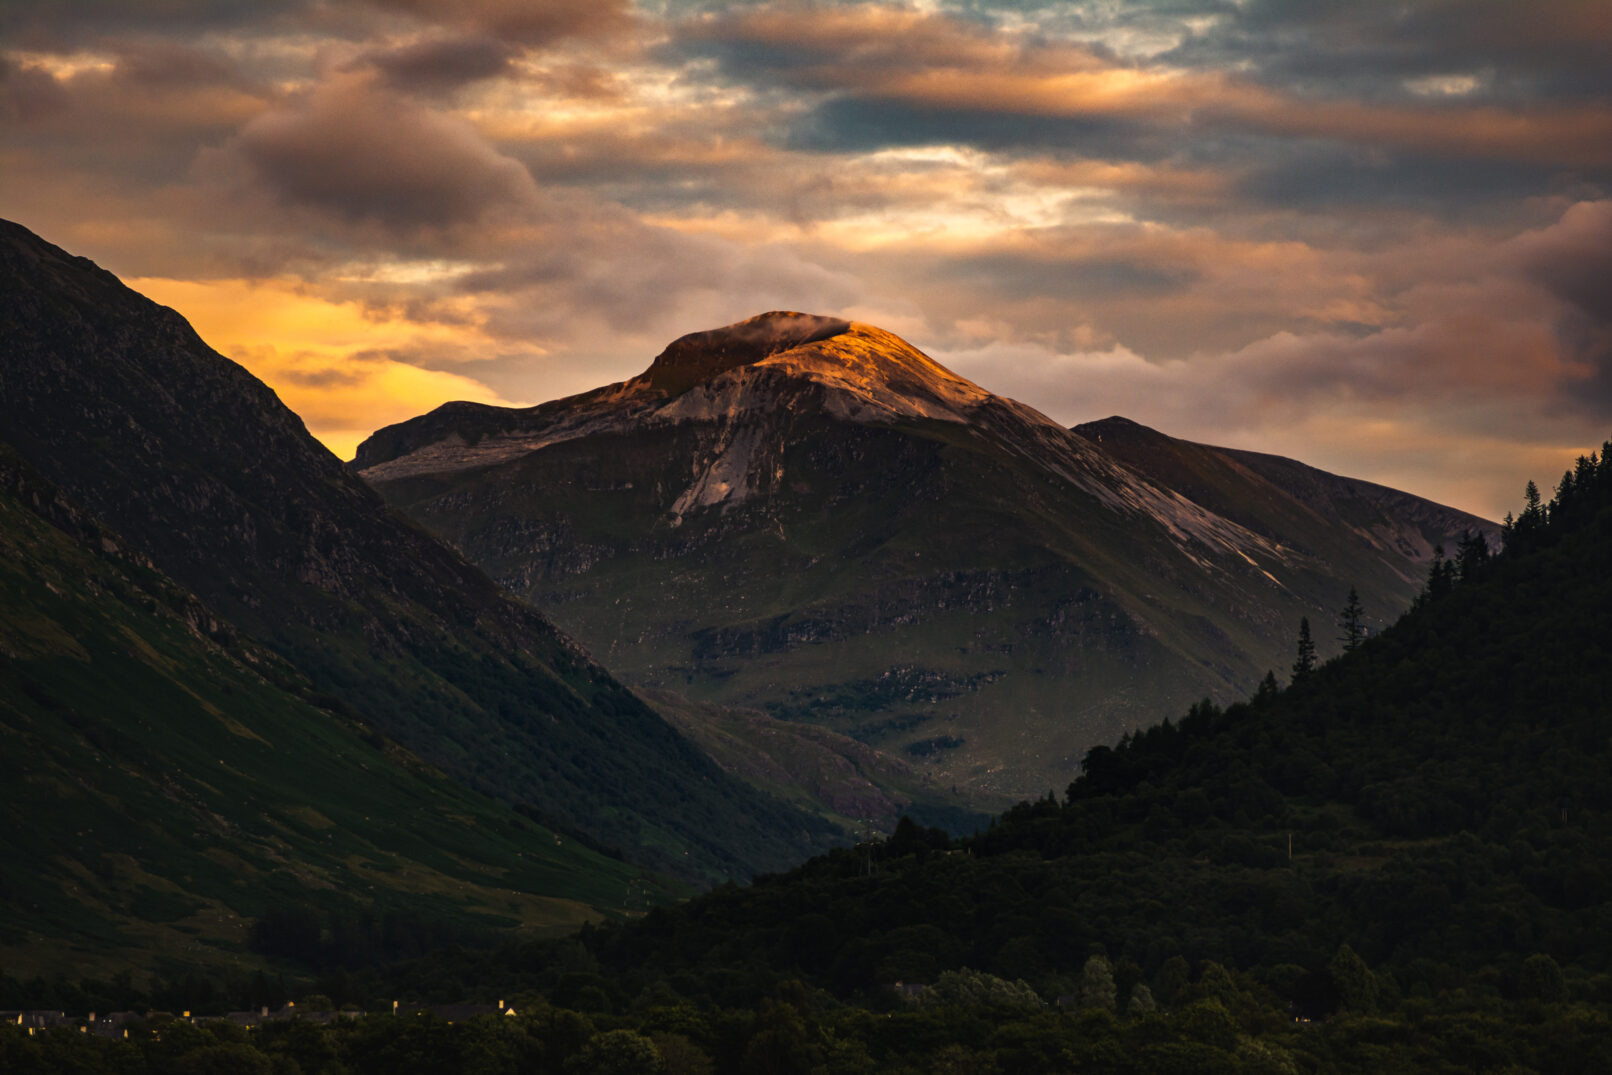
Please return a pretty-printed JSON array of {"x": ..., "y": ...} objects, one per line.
[{"x": 326, "y": 360}]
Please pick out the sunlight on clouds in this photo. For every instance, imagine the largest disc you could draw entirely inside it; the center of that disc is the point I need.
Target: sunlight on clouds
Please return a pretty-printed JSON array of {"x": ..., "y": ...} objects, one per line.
[
  {"x": 408, "y": 272},
  {"x": 1214, "y": 217},
  {"x": 1443, "y": 85},
  {"x": 63, "y": 66},
  {"x": 941, "y": 197},
  {"x": 328, "y": 361}
]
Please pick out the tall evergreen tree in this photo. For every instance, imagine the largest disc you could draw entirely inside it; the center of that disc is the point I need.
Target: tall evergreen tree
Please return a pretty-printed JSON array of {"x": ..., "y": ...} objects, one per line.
[
  {"x": 1351, "y": 621},
  {"x": 1471, "y": 554},
  {"x": 1440, "y": 575},
  {"x": 1305, "y": 664}
]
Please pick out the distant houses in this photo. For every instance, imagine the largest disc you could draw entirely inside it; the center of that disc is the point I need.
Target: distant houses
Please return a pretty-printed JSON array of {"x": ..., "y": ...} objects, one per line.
[{"x": 118, "y": 1024}]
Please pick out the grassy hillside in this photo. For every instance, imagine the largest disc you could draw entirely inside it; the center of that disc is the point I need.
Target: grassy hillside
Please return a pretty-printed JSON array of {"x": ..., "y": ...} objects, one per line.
[
  {"x": 851, "y": 784},
  {"x": 165, "y": 782},
  {"x": 199, "y": 467}
]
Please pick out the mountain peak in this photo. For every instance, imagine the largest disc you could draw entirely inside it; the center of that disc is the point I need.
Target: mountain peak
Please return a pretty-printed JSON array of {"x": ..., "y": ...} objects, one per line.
[
  {"x": 868, "y": 374},
  {"x": 699, "y": 356},
  {"x": 780, "y": 362}
]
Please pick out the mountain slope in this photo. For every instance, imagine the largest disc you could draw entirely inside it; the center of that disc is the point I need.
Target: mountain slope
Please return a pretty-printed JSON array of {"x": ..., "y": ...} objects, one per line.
[
  {"x": 811, "y": 517},
  {"x": 201, "y": 468},
  {"x": 1436, "y": 800},
  {"x": 168, "y": 781},
  {"x": 1330, "y": 517},
  {"x": 859, "y": 788}
]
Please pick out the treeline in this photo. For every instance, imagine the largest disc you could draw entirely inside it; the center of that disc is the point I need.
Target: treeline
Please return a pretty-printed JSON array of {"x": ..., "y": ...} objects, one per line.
[
  {"x": 185, "y": 991},
  {"x": 1220, "y": 1023}
]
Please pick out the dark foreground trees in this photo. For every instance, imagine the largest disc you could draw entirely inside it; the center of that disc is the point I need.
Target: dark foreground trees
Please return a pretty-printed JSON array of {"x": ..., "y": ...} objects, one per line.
[{"x": 1219, "y": 1022}]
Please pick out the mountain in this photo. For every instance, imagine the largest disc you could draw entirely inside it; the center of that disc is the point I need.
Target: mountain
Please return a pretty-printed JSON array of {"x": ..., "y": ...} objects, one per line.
[
  {"x": 169, "y": 782},
  {"x": 861, "y": 789},
  {"x": 1401, "y": 862},
  {"x": 1330, "y": 517},
  {"x": 810, "y": 517},
  {"x": 200, "y": 469}
]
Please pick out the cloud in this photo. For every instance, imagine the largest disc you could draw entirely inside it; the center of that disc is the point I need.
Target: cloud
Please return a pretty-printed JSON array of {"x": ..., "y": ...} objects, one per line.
[
  {"x": 327, "y": 360},
  {"x": 1270, "y": 223},
  {"x": 364, "y": 154},
  {"x": 128, "y": 116},
  {"x": 876, "y": 75},
  {"x": 1478, "y": 380},
  {"x": 530, "y": 22},
  {"x": 1548, "y": 50},
  {"x": 81, "y": 22},
  {"x": 441, "y": 64},
  {"x": 1572, "y": 259},
  {"x": 28, "y": 93}
]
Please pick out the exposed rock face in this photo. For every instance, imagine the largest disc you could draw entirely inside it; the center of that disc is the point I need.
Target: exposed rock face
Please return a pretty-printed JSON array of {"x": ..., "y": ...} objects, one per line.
[
  {"x": 199, "y": 465},
  {"x": 813, "y": 518},
  {"x": 699, "y": 356}
]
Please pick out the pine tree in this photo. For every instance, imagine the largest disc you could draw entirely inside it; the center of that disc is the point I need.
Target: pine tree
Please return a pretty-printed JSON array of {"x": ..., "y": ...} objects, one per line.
[
  {"x": 1306, "y": 658},
  {"x": 1351, "y": 622},
  {"x": 1438, "y": 575},
  {"x": 1471, "y": 555}
]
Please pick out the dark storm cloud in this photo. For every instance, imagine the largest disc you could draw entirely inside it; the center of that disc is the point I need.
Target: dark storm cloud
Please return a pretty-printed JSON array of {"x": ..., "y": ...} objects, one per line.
[
  {"x": 1524, "y": 51},
  {"x": 133, "y": 118},
  {"x": 362, "y": 153},
  {"x": 1092, "y": 278},
  {"x": 1318, "y": 175},
  {"x": 530, "y": 22},
  {"x": 865, "y": 124},
  {"x": 1573, "y": 261},
  {"x": 442, "y": 64},
  {"x": 160, "y": 64},
  {"x": 1348, "y": 124},
  {"x": 80, "y": 22}
]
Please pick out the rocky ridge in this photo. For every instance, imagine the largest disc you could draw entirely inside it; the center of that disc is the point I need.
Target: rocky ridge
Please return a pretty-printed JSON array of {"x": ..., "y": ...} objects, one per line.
[{"x": 813, "y": 518}]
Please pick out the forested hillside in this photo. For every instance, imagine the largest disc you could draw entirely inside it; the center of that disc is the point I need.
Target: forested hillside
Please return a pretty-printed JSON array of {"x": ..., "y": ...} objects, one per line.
[{"x": 1396, "y": 863}]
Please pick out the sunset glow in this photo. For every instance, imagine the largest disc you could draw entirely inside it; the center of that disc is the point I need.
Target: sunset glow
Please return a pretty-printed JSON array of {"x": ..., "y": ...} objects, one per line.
[{"x": 1378, "y": 242}]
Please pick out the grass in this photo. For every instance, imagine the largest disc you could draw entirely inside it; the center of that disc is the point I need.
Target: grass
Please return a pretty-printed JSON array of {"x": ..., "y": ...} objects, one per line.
[{"x": 161, "y": 793}]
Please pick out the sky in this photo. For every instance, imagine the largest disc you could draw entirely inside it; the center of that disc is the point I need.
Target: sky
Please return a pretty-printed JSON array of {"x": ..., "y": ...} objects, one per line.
[{"x": 1373, "y": 236}]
